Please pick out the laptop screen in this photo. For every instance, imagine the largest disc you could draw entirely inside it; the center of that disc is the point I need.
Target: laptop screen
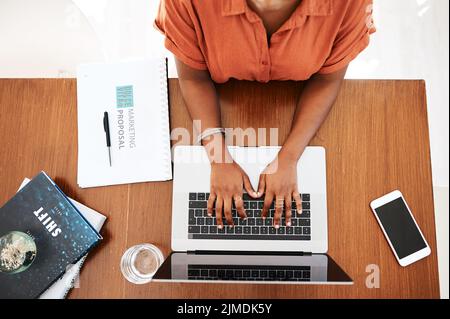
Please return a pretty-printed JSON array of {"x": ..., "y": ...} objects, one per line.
[{"x": 293, "y": 269}]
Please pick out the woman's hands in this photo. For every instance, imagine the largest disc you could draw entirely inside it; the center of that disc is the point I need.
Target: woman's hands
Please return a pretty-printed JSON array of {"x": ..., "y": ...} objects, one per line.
[
  {"x": 279, "y": 183},
  {"x": 227, "y": 183}
]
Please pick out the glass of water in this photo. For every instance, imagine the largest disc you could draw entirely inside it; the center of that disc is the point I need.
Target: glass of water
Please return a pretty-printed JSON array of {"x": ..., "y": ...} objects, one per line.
[{"x": 139, "y": 263}]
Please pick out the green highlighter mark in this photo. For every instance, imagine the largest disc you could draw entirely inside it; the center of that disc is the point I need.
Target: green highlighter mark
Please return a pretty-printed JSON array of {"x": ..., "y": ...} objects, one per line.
[{"x": 124, "y": 96}]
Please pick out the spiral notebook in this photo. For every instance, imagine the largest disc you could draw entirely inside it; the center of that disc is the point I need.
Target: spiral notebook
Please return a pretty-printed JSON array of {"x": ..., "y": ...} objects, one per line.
[{"x": 134, "y": 95}]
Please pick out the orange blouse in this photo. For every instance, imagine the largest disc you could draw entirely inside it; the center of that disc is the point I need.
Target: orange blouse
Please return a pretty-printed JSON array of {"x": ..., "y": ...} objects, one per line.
[{"x": 229, "y": 39}]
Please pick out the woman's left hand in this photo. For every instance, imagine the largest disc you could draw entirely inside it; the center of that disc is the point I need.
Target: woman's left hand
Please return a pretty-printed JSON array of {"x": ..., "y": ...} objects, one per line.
[{"x": 279, "y": 183}]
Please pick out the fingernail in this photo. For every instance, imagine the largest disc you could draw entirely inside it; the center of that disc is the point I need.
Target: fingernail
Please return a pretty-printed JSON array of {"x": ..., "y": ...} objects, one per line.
[
  {"x": 288, "y": 224},
  {"x": 277, "y": 226},
  {"x": 299, "y": 211},
  {"x": 245, "y": 218},
  {"x": 220, "y": 226},
  {"x": 264, "y": 217},
  {"x": 209, "y": 215}
]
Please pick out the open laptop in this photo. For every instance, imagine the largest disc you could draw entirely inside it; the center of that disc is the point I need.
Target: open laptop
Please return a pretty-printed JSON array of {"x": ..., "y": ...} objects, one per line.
[{"x": 253, "y": 250}]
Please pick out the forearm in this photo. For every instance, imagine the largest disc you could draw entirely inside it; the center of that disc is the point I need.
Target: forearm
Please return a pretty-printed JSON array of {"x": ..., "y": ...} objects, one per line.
[
  {"x": 200, "y": 97},
  {"x": 315, "y": 103},
  {"x": 202, "y": 103}
]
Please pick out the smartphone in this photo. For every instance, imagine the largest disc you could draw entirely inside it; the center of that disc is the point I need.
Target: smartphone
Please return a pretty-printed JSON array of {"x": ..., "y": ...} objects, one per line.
[{"x": 400, "y": 228}]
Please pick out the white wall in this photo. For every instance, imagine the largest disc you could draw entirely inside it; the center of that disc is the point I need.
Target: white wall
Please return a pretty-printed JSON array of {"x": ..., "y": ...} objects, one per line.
[{"x": 48, "y": 38}]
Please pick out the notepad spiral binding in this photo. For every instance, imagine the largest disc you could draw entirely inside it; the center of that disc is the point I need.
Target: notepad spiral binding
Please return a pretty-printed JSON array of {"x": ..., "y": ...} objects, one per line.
[{"x": 163, "y": 76}]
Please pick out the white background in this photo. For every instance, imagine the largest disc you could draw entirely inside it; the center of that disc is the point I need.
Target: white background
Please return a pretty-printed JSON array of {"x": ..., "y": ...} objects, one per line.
[{"x": 48, "y": 38}]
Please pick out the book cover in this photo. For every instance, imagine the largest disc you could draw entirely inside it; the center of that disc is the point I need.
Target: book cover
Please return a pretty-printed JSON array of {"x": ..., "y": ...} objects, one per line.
[
  {"x": 41, "y": 235},
  {"x": 60, "y": 288}
]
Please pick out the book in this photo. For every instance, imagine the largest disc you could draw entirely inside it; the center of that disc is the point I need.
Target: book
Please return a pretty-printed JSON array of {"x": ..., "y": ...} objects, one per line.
[
  {"x": 61, "y": 287},
  {"x": 42, "y": 234},
  {"x": 134, "y": 95}
]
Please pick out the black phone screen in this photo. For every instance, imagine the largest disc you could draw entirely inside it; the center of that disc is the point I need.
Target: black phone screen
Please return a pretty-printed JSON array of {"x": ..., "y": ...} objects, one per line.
[{"x": 400, "y": 228}]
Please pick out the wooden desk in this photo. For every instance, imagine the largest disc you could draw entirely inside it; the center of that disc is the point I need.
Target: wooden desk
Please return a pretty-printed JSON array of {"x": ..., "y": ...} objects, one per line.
[{"x": 376, "y": 139}]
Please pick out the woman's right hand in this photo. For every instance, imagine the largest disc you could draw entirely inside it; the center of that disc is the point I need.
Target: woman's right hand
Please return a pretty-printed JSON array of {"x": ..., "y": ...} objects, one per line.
[{"x": 228, "y": 180}]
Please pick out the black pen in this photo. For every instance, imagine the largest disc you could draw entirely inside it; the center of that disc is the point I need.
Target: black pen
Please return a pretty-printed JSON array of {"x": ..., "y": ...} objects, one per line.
[{"x": 108, "y": 137}]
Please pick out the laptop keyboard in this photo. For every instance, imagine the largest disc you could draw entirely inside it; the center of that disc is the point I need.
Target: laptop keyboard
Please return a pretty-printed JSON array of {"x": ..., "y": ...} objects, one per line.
[
  {"x": 254, "y": 228},
  {"x": 249, "y": 273}
]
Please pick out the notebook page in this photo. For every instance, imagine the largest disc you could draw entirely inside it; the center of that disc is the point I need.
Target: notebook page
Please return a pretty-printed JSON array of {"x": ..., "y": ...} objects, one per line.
[{"x": 134, "y": 93}]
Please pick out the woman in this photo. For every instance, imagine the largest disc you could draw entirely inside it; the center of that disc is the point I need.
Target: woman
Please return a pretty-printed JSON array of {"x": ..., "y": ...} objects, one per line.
[{"x": 261, "y": 40}]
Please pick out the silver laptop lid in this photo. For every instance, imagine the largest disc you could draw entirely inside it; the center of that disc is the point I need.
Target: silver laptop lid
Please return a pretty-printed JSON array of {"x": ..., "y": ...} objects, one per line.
[{"x": 251, "y": 268}]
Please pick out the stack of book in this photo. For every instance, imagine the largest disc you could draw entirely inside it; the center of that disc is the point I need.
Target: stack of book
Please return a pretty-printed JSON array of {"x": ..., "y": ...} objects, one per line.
[{"x": 44, "y": 239}]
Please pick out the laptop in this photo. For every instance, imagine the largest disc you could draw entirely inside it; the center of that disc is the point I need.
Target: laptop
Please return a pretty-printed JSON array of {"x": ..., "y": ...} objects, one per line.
[{"x": 252, "y": 251}]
